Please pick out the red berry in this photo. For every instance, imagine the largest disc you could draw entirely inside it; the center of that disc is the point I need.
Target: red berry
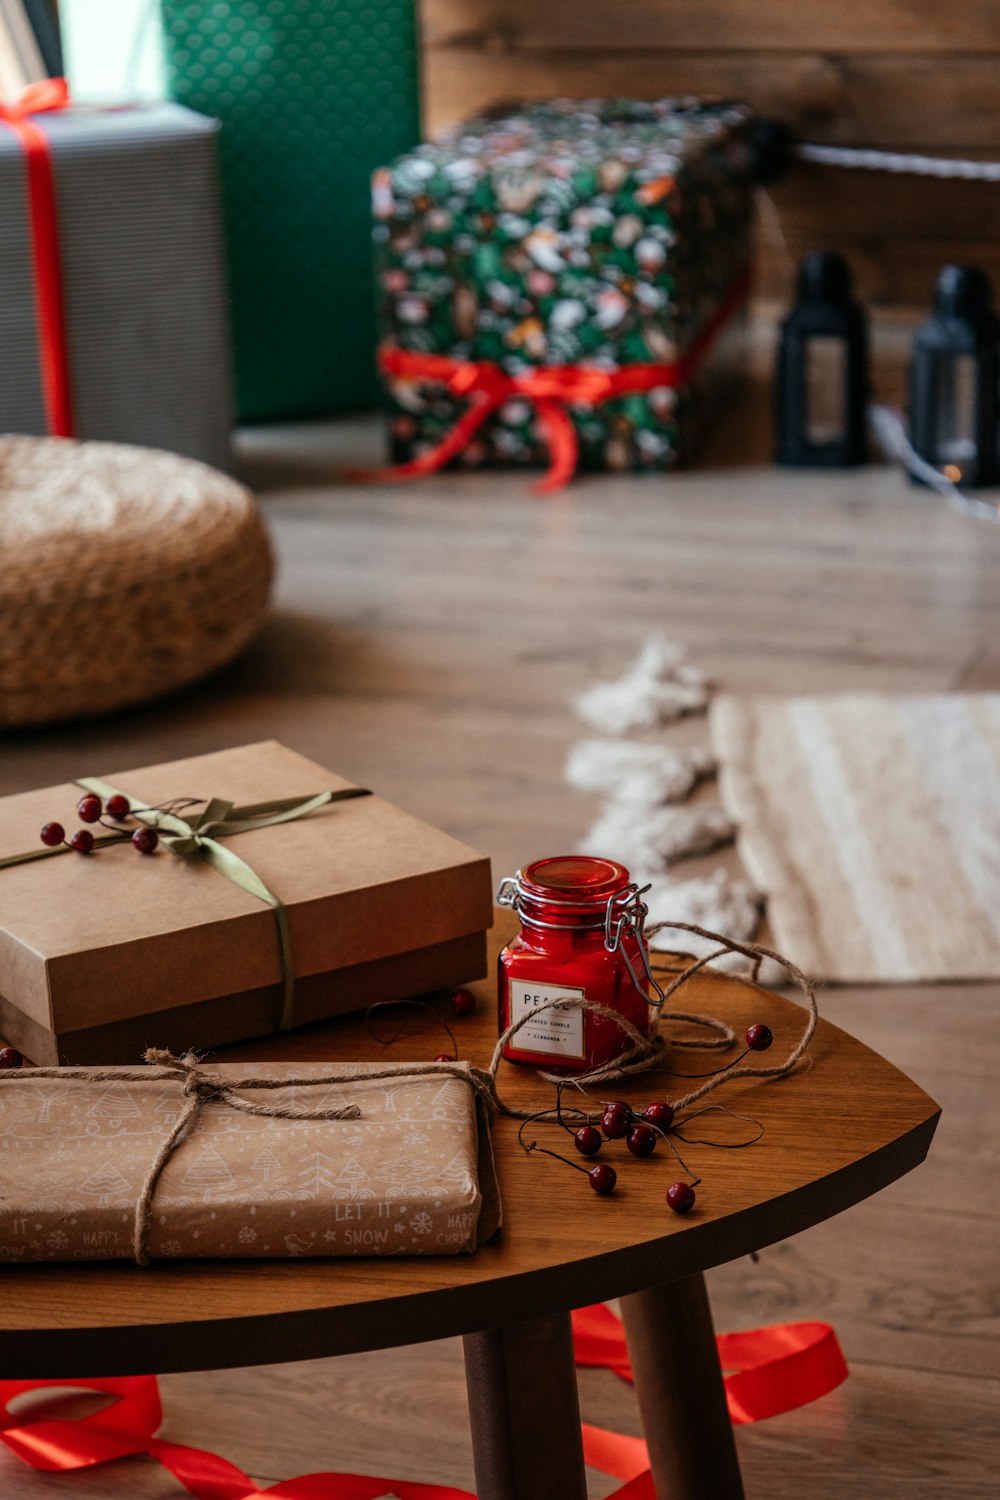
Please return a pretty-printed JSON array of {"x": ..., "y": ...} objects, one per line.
[
  {"x": 444, "y": 1057},
  {"x": 82, "y": 841},
  {"x": 603, "y": 1178},
  {"x": 587, "y": 1140},
  {"x": 641, "y": 1140},
  {"x": 660, "y": 1114},
  {"x": 759, "y": 1037},
  {"x": 118, "y": 806},
  {"x": 463, "y": 1002},
  {"x": 10, "y": 1057},
  {"x": 90, "y": 807},
  {"x": 615, "y": 1121},
  {"x": 680, "y": 1197},
  {"x": 145, "y": 840},
  {"x": 53, "y": 834}
]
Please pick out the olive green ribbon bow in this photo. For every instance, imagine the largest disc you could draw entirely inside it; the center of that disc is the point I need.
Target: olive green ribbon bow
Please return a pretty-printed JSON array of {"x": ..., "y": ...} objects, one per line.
[{"x": 198, "y": 837}]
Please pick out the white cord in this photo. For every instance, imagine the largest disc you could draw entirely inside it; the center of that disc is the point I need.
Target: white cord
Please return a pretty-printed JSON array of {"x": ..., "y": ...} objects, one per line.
[
  {"x": 890, "y": 433},
  {"x": 897, "y": 161}
]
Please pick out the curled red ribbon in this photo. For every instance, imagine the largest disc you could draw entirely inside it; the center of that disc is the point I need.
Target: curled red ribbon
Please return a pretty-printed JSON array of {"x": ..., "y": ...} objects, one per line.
[
  {"x": 549, "y": 387},
  {"x": 43, "y": 98},
  {"x": 776, "y": 1369},
  {"x": 771, "y": 1370}
]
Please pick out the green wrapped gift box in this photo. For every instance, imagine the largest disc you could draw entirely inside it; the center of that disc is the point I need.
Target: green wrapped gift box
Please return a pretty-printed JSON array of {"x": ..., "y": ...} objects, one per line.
[
  {"x": 599, "y": 236},
  {"x": 312, "y": 95}
]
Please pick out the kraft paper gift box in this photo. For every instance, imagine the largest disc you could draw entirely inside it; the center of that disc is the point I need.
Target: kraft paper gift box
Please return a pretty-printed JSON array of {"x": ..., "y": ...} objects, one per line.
[
  {"x": 102, "y": 955},
  {"x": 143, "y": 285},
  {"x": 595, "y": 235},
  {"x": 413, "y": 1175}
]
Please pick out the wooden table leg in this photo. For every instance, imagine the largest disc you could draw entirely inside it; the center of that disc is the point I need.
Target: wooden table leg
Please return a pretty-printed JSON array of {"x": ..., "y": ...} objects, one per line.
[
  {"x": 525, "y": 1412},
  {"x": 671, "y": 1343}
]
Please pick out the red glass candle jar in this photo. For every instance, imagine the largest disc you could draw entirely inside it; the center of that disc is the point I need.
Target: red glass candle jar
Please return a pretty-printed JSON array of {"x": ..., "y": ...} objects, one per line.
[{"x": 581, "y": 938}]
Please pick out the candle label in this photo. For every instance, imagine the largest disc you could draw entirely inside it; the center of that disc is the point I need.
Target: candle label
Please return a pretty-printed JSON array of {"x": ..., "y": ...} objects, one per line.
[{"x": 558, "y": 1032}]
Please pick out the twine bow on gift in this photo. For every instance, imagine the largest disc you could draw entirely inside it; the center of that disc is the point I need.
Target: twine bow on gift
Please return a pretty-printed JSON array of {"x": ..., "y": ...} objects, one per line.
[
  {"x": 550, "y": 388},
  {"x": 197, "y": 836},
  {"x": 46, "y": 97},
  {"x": 201, "y": 1087}
]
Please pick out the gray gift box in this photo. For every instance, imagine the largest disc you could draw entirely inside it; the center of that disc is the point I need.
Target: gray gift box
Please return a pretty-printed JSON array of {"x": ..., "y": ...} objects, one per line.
[{"x": 143, "y": 280}]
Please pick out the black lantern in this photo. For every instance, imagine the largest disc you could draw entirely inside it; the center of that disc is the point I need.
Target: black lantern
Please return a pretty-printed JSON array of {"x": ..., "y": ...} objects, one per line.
[
  {"x": 953, "y": 380},
  {"x": 821, "y": 384}
]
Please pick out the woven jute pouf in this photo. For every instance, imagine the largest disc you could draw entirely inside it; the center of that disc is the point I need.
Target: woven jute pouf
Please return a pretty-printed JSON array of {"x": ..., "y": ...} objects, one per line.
[{"x": 124, "y": 573}]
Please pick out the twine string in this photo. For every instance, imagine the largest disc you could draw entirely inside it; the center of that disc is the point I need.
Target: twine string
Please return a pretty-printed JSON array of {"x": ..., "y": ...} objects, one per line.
[
  {"x": 645, "y": 1052},
  {"x": 201, "y": 1086}
]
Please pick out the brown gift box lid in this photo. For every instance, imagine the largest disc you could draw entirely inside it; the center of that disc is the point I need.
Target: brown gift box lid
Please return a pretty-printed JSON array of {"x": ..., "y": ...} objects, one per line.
[
  {"x": 413, "y": 1175},
  {"x": 114, "y": 935}
]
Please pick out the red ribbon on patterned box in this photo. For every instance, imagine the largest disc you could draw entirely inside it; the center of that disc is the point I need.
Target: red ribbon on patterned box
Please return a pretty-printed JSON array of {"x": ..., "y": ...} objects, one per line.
[
  {"x": 776, "y": 1369},
  {"x": 53, "y": 351},
  {"x": 550, "y": 388}
]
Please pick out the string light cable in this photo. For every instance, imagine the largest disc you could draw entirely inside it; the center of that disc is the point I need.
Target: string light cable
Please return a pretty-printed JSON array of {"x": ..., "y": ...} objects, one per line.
[
  {"x": 897, "y": 161},
  {"x": 774, "y": 146},
  {"x": 889, "y": 430}
]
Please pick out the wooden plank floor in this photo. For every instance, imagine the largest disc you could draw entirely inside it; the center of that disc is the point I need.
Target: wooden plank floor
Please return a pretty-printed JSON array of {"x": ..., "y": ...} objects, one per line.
[{"x": 429, "y": 641}]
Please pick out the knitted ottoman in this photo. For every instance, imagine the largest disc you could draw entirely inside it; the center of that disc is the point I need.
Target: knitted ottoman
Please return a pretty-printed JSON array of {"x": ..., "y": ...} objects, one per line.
[
  {"x": 562, "y": 284},
  {"x": 126, "y": 573}
]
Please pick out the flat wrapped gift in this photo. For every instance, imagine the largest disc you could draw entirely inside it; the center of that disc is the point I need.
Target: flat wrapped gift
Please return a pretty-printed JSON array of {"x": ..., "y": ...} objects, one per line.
[
  {"x": 413, "y": 1174},
  {"x": 143, "y": 283},
  {"x": 106, "y": 954},
  {"x": 586, "y": 238}
]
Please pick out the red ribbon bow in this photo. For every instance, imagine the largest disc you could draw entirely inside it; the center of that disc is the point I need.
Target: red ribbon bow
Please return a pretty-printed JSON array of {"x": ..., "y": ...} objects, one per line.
[
  {"x": 776, "y": 1370},
  {"x": 44, "y": 98},
  {"x": 549, "y": 387}
]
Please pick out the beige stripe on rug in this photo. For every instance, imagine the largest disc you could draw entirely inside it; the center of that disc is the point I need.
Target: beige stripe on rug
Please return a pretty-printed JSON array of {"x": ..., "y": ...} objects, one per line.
[{"x": 872, "y": 825}]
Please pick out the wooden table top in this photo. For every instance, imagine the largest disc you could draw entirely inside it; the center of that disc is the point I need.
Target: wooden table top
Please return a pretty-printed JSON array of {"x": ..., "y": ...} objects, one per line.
[{"x": 835, "y": 1133}]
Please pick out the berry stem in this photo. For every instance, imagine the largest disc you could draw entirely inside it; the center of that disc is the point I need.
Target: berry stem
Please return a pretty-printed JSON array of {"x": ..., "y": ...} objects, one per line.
[
  {"x": 404, "y": 1025},
  {"x": 721, "y": 1145},
  {"x": 530, "y": 1146},
  {"x": 713, "y": 1072}
]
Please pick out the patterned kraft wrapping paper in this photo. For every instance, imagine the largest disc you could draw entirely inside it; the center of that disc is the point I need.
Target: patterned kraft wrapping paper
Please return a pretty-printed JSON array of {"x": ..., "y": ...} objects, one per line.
[
  {"x": 414, "y": 1176},
  {"x": 595, "y": 232}
]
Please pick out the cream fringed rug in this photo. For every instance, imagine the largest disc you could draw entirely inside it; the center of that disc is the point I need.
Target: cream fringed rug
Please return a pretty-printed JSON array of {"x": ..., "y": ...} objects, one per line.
[
  {"x": 869, "y": 826},
  {"x": 872, "y": 825}
]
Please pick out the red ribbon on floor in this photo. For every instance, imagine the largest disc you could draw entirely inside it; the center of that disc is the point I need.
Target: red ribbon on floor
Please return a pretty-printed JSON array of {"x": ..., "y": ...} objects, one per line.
[
  {"x": 772, "y": 1370},
  {"x": 776, "y": 1369},
  {"x": 43, "y": 98},
  {"x": 549, "y": 387}
]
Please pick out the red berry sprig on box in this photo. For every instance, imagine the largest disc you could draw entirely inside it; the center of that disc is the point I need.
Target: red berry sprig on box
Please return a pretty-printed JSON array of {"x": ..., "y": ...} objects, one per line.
[{"x": 91, "y": 810}]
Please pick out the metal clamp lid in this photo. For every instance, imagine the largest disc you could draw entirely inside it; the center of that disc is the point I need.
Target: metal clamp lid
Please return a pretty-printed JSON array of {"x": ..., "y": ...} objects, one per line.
[{"x": 625, "y": 912}]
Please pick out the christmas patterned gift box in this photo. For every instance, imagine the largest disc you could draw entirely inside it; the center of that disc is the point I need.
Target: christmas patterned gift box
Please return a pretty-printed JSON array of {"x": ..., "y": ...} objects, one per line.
[
  {"x": 165, "y": 1162},
  {"x": 563, "y": 283}
]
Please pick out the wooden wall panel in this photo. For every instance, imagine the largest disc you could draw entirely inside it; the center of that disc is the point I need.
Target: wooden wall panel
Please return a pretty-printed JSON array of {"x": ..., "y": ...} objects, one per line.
[
  {"x": 916, "y": 75},
  {"x": 792, "y": 25}
]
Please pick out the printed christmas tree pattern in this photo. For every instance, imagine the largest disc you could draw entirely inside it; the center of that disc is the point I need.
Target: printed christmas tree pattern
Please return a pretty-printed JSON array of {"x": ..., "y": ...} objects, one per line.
[
  {"x": 115, "y": 1105},
  {"x": 318, "y": 1174},
  {"x": 265, "y": 1165},
  {"x": 208, "y": 1175},
  {"x": 107, "y": 1184},
  {"x": 455, "y": 1176},
  {"x": 353, "y": 1181},
  {"x": 48, "y": 1098}
]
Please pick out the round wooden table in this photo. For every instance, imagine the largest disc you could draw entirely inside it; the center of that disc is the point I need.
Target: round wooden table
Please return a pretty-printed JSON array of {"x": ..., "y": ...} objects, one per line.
[{"x": 835, "y": 1133}]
